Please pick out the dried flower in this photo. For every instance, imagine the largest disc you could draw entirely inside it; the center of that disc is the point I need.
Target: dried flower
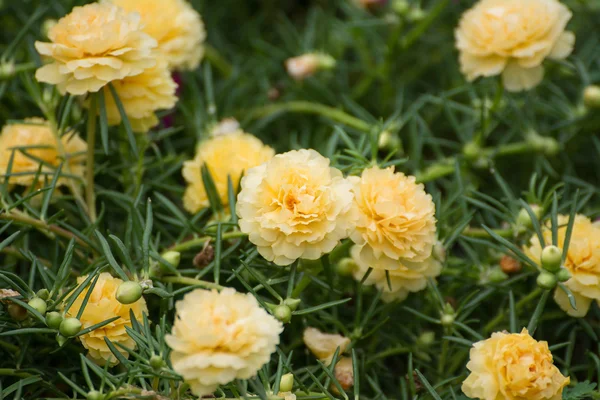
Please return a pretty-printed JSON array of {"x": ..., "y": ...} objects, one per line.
[
  {"x": 324, "y": 345},
  {"x": 344, "y": 373},
  {"x": 512, "y": 38},
  {"x": 295, "y": 206},
  {"x": 513, "y": 366},
  {"x": 220, "y": 336},
  {"x": 226, "y": 155},
  {"x": 175, "y": 25},
  {"x": 510, "y": 265},
  {"x": 94, "y": 45}
]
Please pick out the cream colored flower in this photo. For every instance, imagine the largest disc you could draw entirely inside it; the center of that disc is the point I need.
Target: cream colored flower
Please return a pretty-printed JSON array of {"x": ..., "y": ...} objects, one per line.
[
  {"x": 142, "y": 95},
  {"x": 307, "y": 65},
  {"x": 220, "y": 336},
  {"x": 225, "y": 155},
  {"x": 324, "y": 345},
  {"x": 295, "y": 206},
  {"x": 513, "y": 366},
  {"x": 512, "y": 38},
  {"x": 37, "y": 140},
  {"x": 103, "y": 305},
  {"x": 396, "y": 224},
  {"x": 175, "y": 25},
  {"x": 582, "y": 261},
  {"x": 93, "y": 46},
  {"x": 403, "y": 280}
]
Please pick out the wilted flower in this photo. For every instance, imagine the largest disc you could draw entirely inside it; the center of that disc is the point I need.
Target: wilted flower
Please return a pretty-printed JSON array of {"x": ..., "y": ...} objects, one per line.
[
  {"x": 324, "y": 345},
  {"x": 94, "y": 45},
  {"x": 103, "y": 305},
  {"x": 225, "y": 127},
  {"x": 512, "y": 38},
  {"x": 220, "y": 336},
  {"x": 308, "y": 64},
  {"x": 295, "y": 206},
  {"x": 141, "y": 95},
  {"x": 582, "y": 261},
  {"x": 396, "y": 224},
  {"x": 38, "y": 144},
  {"x": 511, "y": 366},
  {"x": 175, "y": 25},
  {"x": 225, "y": 155}
]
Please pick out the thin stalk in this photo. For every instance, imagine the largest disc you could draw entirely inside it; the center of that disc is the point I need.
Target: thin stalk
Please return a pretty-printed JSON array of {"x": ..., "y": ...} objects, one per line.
[
  {"x": 218, "y": 61},
  {"x": 90, "y": 193},
  {"x": 182, "y": 280},
  {"x": 481, "y": 233},
  {"x": 520, "y": 304},
  {"x": 199, "y": 242}
]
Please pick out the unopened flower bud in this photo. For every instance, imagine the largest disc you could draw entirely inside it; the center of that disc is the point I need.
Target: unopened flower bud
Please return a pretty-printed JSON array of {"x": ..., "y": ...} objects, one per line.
[
  {"x": 306, "y": 65},
  {"x": 129, "y": 292},
  {"x": 388, "y": 141},
  {"x": 157, "y": 362},
  {"x": 496, "y": 275},
  {"x": 447, "y": 320},
  {"x": 43, "y": 294},
  {"x": 69, "y": 327},
  {"x": 472, "y": 151},
  {"x": 172, "y": 257},
  {"x": 16, "y": 312},
  {"x": 292, "y": 303},
  {"x": 38, "y": 304},
  {"x": 61, "y": 340},
  {"x": 7, "y": 70},
  {"x": 551, "y": 258},
  {"x": 400, "y": 7},
  {"x": 283, "y": 313},
  {"x": 345, "y": 266},
  {"x": 426, "y": 339},
  {"x": 286, "y": 384},
  {"x": 53, "y": 319},
  {"x": 416, "y": 14},
  {"x": 591, "y": 96},
  {"x": 94, "y": 395},
  {"x": 563, "y": 275},
  {"x": 47, "y": 25},
  {"x": 546, "y": 280},
  {"x": 524, "y": 219}
]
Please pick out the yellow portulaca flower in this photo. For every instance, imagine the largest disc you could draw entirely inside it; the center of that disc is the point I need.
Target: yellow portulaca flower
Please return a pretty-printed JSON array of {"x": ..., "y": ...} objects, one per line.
[
  {"x": 512, "y": 38},
  {"x": 396, "y": 223},
  {"x": 582, "y": 261},
  {"x": 295, "y": 206},
  {"x": 324, "y": 345},
  {"x": 93, "y": 46},
  {"x": 220, "y": 336},
  {"x": 224, "y": 155},
  {"x": 39, "y": 143},
  {"x": 513, "y": 366},
  {"x": 142, "y": 95},
  {"x": 103, "y": 305},
  {"x": 403, "y": 280},
  {"x": 175, "y": 25}
]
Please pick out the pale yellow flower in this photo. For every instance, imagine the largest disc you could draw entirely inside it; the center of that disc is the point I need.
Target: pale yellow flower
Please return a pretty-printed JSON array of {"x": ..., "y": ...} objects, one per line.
[
  {"x": 175, "y": 25},
  {"x": 220, "y": 336},
  {"x": 513, "y": 366},
  {"x": 142, "y": 95},
  {"x": 224, "y": 155},
  {"x": 36, "y": 134},
  {"x": 396, "y": 224},
  {"x": 512, "y": 38},
  {"x": 582, "y": 261},
  {"x": 324, "y": 345},
  {"x": 93, "y": 46},
  {"x": 306, "y": 65},
  {"x": 403, "y": 280},
  {"x": 295, "y": 206},
  {"x": 103, "y": 305}
]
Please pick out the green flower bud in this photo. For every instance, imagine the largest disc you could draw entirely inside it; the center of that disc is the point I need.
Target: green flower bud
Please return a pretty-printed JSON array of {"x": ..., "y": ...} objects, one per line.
[
  {"x": 447, "y": 320},
  {"x": 53, "y": 319},
  {"x": 591, "y": 96},
  {"x": 43, "y": 294},
  {"x": 401, "y": 7},
  {"x": 47, "y": 25},
  {"x": 563, "y": 275},
  {"x": 129, "y": 292},
  {"x": 283, "y": 313},
  {"x": 472, "y": 151},
  {"x": 426, "y": 339},
  {"x": 39, "y": 305},
  {"x": 16, "y": 312},
  {"x": 345, "y": 266},
  {"x": 523, "y": 219},
  {"x": 496, "y": 275},
  {"x": 286, "y": 384},
  {"x": 69, "y": 327},
  {"x": 388, "y": 141},
  {"x": 172, "y": 257},
  {"x": 546, "y": 280},
  {"x": 551, "y": 258},
  {"x": 61, "y": 340},
  {"x": 157, "y": 362},
  {"x": 94, "y": 395},
  {"x": 292, "y": 303}
]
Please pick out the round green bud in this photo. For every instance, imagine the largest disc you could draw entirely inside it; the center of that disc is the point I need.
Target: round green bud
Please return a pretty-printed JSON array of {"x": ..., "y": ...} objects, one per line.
[
  {"x": 591, "y": 96},
  {"x": 496, "y": 275},
  {"x": 43, "y": 294},
  {"x": 286, "y": 384},
  {"x": 416, "y": 14},
  {"x": 16, "y": 312},
  {"x": 283, "y": 313},
  {"x": 39, "y": 305},
  {"x": 346, "y": 266},
  {"x": 388, "y": 141},
  {"x": 129, "y": 292},
  {"x": 401, "y": 7},
  {"x": 156, "y": 362},
  {"x": 292, "y": 303},
  {"x": 47, "y": 25},
  {"x": 61, "y": 340},
  {"x": 94, "y": 395},
  {"x": 172, "y": 257},
  {"x": 546, "y": 280},
  {"x": 69, "y": 327},
  {"x": 53, "y": 319},
  {"x": 426, "y": 339},
  {"x": 472, "y": 151},
  {"x": 447, "y": 320},
  {"x": 563, "y": 275},
  {"x": 551, "y": 258},
  {"x": 523, "y": 219}
]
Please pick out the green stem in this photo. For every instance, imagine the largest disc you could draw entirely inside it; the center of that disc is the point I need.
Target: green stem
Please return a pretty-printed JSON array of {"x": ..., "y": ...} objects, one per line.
[
  {"x": 90, "y": 194},
  {"x": 8, "y": 71},
  {"x": 305, "y": 107},
  {"x": 199, "y": 242},
  {"x": 304, "y": 282},
  {"x": 520, "y": 304},
  {"x": 442, "y": 362},
  {"x": 182, "y": 280},
  {"x": 418, "y": 31},
  {"x": 481, "y": 233},
  {"x": 218, "y": 61}
]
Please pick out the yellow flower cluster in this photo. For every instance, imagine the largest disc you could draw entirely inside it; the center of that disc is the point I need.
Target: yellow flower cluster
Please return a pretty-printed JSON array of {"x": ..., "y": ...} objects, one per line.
[
  {"x": 33, "y": 146},
  {"x": 513, "y": 367},
  {"x": 582, "y": 261},
  {"x": 102, "y": 305},
  {"x": 512, "y": 38},
  {"x": 220, "y": 336}
]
